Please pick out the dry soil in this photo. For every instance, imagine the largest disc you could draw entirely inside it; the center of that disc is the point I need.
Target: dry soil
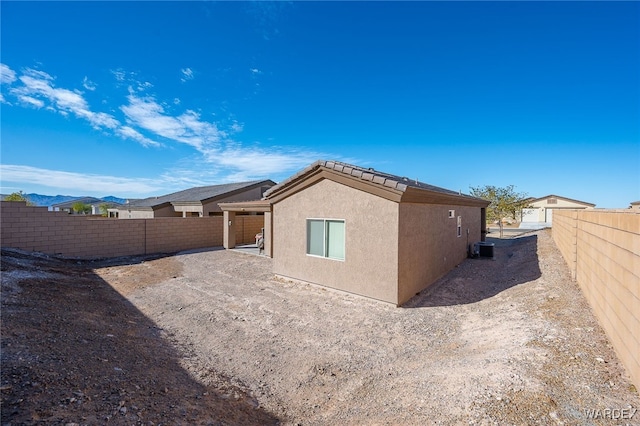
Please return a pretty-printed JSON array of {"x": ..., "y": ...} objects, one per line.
[{"x": 211, "y": 337}]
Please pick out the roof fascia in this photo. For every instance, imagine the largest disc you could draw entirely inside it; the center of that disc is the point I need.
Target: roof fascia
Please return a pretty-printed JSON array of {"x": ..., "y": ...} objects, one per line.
[
  {"x": 186, "y": 203},
  {"x": 424, "y": 196},
  {"x": 246, "y": 206}
]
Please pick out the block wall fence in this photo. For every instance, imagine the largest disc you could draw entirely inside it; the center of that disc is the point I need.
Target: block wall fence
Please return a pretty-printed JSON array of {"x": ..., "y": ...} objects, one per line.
[
  {"x": 602, "y": 249},
  {"x": 58, "y": 233}
]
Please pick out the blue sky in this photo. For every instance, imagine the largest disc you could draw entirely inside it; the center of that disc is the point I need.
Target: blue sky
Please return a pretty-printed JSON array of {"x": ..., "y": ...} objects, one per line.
[{"x": 136, "y": 99}]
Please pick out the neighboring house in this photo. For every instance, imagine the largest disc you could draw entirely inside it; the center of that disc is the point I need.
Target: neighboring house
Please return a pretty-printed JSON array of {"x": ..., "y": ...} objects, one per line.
[
  {"x": 634, "y": 205},
  {"x": 363, "y": 231},
  {"x": 96, "y": 208},
  {"x": 199, "y": 202},
  {"x": 541, "y": 212},
  {"x": 94, "y": 203},
  {"x": 67, "y": 206}
]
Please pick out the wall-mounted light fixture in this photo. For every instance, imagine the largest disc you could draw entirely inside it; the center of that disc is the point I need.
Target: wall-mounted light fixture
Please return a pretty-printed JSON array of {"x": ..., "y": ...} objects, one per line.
[{"x": 229, "y": 223}]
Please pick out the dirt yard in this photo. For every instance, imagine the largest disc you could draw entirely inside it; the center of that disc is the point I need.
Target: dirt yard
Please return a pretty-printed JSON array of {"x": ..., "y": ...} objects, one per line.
[{"x": 211, "y": 337}]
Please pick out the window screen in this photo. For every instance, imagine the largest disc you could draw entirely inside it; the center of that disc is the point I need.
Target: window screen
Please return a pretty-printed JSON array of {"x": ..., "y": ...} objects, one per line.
[
  {"x": 315, "y": 237},
  {"x": 335, "y": 239},
  {"x": 326, "y": 238}
]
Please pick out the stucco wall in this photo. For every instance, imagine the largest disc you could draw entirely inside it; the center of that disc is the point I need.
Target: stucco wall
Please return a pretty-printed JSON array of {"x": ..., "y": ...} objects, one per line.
[
  {"x": 36, "y": 229},
  {"x": 247, "y": 226},
  {"x": 135, "y": 214},
  {"x": 428, "y": 243},
  {"x": 560, "y": 204},
  {"x": 371, "y": 243},
  {"x": 251, "y": 195},
  {"x": 602, "y": 249},
  {"x": 167, "y": 211}
]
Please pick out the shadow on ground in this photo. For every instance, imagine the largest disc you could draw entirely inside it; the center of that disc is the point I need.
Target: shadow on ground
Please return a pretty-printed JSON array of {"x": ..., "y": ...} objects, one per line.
[
  {"x": 129, "y": 260},
  {"x": 75, "y": 351},
  {"x": 516, "y": 262}
]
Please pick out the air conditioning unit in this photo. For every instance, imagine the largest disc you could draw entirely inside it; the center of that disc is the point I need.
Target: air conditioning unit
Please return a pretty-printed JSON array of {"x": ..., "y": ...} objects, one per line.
[{"x": 484, "y": 249}]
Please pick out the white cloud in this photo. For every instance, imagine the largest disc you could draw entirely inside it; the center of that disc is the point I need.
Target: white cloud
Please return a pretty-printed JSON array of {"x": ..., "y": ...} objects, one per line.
[
  {"x": 7, "y": 75},
  {"x": 218, "y": 157},
  {"x": 38, "y": 90},
  {"x": 253, "y": 163},
  {"x": 144, "y": 85},
  {"x": 236, "y": 127},
  {"x": 129, "y": 133},
  {"x": 39, "y": 84},
  {"x": 78, "y": 182},
  {"x": 31, "y": 101},
  {"x": 88, "y": 84},
  {"x": 38, "y": 74},
  {"x": 187, "y": 74},
  {"x": 186, "y": 128},
  {"x": 119, "y": 74}
]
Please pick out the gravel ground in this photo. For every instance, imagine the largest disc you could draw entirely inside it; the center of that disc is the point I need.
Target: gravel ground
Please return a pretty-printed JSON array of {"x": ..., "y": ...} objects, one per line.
[{"x": 211, "y": 337}]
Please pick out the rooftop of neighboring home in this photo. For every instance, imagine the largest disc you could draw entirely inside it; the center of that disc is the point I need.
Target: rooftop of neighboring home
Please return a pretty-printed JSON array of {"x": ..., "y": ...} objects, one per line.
[
  {"x": 84, "y": 200},
  {"x": 552, "y": 196},
  {"x": 199, "y": 195}
]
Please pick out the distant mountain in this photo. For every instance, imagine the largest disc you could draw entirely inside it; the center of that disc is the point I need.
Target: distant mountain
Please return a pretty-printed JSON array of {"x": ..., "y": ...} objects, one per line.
[
  {"x": 49, "y": 200},
  {"x": 112, "y": 199}
]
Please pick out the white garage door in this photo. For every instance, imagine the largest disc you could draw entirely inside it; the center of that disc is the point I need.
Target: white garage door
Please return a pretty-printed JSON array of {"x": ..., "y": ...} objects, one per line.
[
  {"x": 530, "y": 215},
  {"x": 548, "y": 215}
]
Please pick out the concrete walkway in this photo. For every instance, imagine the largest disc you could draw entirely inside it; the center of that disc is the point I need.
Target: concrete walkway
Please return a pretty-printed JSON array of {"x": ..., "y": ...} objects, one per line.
[
  {"x": 494, "y": 232},
  {"x": 248, "y": 249}
]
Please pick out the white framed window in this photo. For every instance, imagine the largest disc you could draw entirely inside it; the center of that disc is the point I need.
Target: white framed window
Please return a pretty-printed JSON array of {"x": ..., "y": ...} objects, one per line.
[
  {"x": 452, "y": 213},
  {"x": 326, "y": 238},
  {"x": 459, "y": 230}
]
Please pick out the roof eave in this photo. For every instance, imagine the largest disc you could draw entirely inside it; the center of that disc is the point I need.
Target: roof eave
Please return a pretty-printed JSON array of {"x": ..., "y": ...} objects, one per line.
[
  {"x": 246, "y": 206},
  {"x": 424, "y": 196}
]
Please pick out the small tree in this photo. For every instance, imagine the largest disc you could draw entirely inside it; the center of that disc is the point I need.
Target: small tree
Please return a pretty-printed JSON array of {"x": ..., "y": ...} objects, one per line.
[
  {"x": 104, "y": 209},
  {"x": 81, "y": 208},
  {"x": 18, "y": 196},
  {"x": 504, "y": 202}
]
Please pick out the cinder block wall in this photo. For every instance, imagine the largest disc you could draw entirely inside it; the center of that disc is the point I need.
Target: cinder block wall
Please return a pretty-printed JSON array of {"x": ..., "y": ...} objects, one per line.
[
  {"x": 247, "y": 226},
  {"x": 36, "y": 229},
  {"x": 602, "y": 248},
  {"x": 564, "y": 234},
  {"x": 171, "y": 234}
]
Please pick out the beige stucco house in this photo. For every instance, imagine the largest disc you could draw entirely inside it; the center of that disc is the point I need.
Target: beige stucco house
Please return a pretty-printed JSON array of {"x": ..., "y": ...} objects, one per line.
[
  {"x": 363, "y": 231},
  {"x": 199, "y": 202},
  {"x": 540, "y": 213},
  {"x": 94, "y": 203}
]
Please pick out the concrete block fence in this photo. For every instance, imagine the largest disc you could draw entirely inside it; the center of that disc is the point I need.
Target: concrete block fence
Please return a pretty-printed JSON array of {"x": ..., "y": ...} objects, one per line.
[
  {"x": 58, "y": 233},
  {"x": 602, "y": 249}
]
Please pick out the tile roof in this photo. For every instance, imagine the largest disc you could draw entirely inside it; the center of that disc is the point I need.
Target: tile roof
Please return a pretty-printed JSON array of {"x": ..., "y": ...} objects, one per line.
[
  {"x": 533, "y": 200},
  {"x": 399, "y": 183},
  {"x": 85, "y": 200},
  {"x": 198, "y": 194}
]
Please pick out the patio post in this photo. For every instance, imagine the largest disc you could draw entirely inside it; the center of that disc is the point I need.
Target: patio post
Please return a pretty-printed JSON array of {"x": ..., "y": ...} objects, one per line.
[{"x": 229, "y": 227}]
